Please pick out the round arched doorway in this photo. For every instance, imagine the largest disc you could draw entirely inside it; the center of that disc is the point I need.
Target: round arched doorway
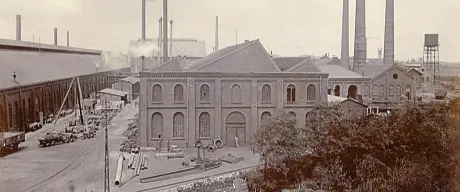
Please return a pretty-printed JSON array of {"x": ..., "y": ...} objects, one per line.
[
  {"x": 352, "y": 92},
  {"x": 236, "y": 128}
]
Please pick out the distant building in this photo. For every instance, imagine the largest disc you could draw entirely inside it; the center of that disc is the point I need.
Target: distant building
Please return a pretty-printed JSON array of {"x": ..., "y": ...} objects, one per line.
[{"x": 129, "y": 85}]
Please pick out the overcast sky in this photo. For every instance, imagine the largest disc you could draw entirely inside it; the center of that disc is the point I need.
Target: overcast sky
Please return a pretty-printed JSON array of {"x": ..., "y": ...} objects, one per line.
[{"x": 297, "y": 27}]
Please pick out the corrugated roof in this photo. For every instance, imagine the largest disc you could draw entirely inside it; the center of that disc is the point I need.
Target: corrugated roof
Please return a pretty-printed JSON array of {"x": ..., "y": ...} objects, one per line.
[
  {"x": 132, "y": 80},
  {"x": 34, "y": 67},
  {"x": 336, "y": 71},
  {"x": 307, "y": 65},
  {"x": 113, "y": 92},
  {"x": 15, "y": 43},
  {"x": 285, "y": 63},
  {"x": 187, "y": 47}
]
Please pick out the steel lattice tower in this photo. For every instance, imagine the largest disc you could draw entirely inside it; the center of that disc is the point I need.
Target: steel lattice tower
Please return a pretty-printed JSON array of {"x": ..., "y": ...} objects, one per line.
[{"x": 431, "y": 58}]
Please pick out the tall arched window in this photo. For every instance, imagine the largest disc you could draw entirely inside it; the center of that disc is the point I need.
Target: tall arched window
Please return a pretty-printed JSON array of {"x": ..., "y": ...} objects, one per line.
[
  {"x": 178, "y": 93},
  {"x": 290, "y": 93},
  {"x": 157, "y": 93},
  {"x": 157, "y": 126},
  {"x": 308, "y": 118},
  {"x": 236, "y": 94},
  {"x": 375, "y": 90},
  {"x": 266, "y": 93},
  {"x": 391, "y": 90},
  {"x": 382, "y": 91},
  {"x": 178, "y": 125},
  {"x": 264, "y": 117},
  {"x": 311, "y": 92},
  {"x": 408, "y": 92},
  {"x": 398, "y": 90},
  {"x": 204, "y": 130},
  {"x": 10, "y": 116},
  {"x": 204, "y": 93},
  {"x": 366, "y": 90}
]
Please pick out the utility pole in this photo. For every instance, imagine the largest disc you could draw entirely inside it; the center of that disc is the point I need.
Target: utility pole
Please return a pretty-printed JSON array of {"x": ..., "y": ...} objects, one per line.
[{"x": 107, "y": 175}]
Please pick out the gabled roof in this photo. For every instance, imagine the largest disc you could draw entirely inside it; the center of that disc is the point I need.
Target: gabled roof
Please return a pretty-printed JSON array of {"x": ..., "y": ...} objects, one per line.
[
  {"x": 34, "y": 67},
  {"x": 337, "y": 71},
  {"x": 132, "y": 80},
  {"x": 307, "y": 65},
  {"x": 393, "y": 67},
  {"x": 354, "y": 101},
  {"x": 244, "y": 58},
  {"x": 171, "y": 65},
  {"x": 285, "y": 63},
  {"x": 114, "y": 92},
  {"x": 373, "y": 70},
  {"x": 416, "y": 70}
]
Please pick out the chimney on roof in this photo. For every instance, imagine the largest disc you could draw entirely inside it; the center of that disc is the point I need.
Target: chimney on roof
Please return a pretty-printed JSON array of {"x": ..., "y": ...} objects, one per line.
[
  {"x": 14, "y": 76},
  {"x": 216, "y": 41},
  {"x": 246, "y": 41},
  {"x": 165, "y": 30},
  {"x": 389, "y": 41},
  {"x": 345, "y": 53},
  {"x": 360, "y": 47},
  {"x": 67, "y": 38},
  {"x": 55, "y": 36},
  {"x": 18, "y": 27}
]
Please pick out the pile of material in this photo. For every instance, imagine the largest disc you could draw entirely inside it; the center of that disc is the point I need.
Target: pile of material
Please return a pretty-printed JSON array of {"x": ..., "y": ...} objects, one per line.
[
  {"x": 229, "y": 158},
  {"x": 132, "y": 138}
]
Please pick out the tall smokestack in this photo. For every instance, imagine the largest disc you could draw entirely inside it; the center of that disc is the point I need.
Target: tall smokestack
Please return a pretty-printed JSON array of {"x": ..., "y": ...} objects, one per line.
[
  {"x": 165, "y": 29},
  {"x": 55, "y": 36},
  {"x": 216, "y": 41},
  {"x": 389, "y": 41},
  {"x": 360, "y": 49},
  {"x": 68, "y": 38},
  {"x": 170, "y": 39},
  {"x": 18, "y": 27},
  {"x": 345, "y": 55},
  {"x": 143, "y": 20},
  {"x": 160, "y": 40}
]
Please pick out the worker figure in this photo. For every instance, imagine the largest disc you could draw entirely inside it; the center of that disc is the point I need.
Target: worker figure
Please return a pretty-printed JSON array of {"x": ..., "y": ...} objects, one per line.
[{"x": 236, "y": 142}]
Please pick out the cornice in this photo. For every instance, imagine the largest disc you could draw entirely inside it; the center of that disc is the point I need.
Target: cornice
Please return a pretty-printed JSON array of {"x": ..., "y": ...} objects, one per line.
[{"x": 213, "y": 75}]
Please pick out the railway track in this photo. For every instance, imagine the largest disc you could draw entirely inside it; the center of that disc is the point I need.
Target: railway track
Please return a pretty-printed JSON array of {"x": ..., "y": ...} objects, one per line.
[
  {"x": 80, "y": 158},
  {"x": 177, "y": 184}
]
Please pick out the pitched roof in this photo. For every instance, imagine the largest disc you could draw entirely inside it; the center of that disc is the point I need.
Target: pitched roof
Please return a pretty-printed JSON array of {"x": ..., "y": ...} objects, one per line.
[
  {"x": 246, "y": 57},
  {"x": 354, "y": 101},
  {"x": 373, "y": 70},
  {"x": 307, "y": 65},
  {"x": 132, "y": 80},
  {"x": 337, "y": 71},
  {"x": 171, "y": 65},
  {"x": 34, "y": 67},
  {"x": 44, "y": 47},
  {"x": 416, "y": 70},
  {"x": 113, "y": 92},
  {"x": 285, "y": 63}
]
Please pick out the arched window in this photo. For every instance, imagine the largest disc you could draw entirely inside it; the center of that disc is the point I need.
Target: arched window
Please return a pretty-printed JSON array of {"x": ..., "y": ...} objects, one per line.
[
  {"x": 10, "y": 116},
  {"x": 178, "y": 125},
  {"x": 408, "y": 92},
  {"x": 311, "y": 92},
  {"x": 236, "y": 94},
  {"x": 391, "y": 90},
  {"x": 337, "y": 90},
  {"x": 157, "y": 93},
  {"x": 292, "y": 114},
  {"x": 382, "y": 91},
  {"x": 329, "y": 89},
  {"x": 178, "y": 93},
  {"x": 266, "y": 93},
  {"x": 157, "y": 126},
  {"x": 291, "y": 93},
  {"x": 366, "y": 90},
  {"x": 398, "y": 90},
  {"x": 264, "y": 117},
  {"x": 308, "y": 118},
  {"x": 204, "y": 93},
  {"x": 204, "y": 130},
  {"x": 375, "y": 90}
]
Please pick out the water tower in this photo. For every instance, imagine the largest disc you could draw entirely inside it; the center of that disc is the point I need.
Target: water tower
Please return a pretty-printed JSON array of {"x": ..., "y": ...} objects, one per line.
[{"x": 431, "y": 60}]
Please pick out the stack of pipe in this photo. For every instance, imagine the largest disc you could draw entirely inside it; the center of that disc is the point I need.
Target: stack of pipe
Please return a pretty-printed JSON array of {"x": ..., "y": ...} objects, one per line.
[{"x": 119, "y": 170}]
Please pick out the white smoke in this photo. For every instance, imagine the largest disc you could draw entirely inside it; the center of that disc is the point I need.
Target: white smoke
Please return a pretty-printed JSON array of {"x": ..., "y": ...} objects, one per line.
[
  {"x": 112, "y": 61},
  {"x": 142, "y": 48}
]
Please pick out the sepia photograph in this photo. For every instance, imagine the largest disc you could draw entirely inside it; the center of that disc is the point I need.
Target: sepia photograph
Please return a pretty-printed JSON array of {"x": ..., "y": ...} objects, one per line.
[{"x": 229, "y": 96}]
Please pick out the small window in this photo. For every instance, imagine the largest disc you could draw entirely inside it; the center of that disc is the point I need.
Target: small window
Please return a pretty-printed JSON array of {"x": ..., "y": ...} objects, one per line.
[
  {"x": 204, "y": 93},
  {"x": 178, "y": 93},
  {"x": 395, "y": 76},
  {"x": 157, "y": 93},
  {"x": 311, "y": 92},
  {"x": 266, "y": 93},
  {"x": 236, "y": 94}
]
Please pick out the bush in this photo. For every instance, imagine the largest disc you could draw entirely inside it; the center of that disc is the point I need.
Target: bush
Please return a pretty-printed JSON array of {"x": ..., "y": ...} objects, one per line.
[{"x": 412, "y": 149}]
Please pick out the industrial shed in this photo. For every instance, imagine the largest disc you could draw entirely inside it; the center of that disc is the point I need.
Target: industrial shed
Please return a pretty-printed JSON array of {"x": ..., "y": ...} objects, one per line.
[
  {"x": 34, "y": 79},
  {"x": 108, "y": 95},
  {"x": 129, "y": 85}
]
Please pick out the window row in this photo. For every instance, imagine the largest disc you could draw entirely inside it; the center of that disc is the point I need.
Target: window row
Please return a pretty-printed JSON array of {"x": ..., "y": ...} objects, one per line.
[
  {"x": 266, "y": 115},
  {"x": 178, "y": 128},
  {"x": 392, "y": 90},
  {"x": 157, "y": 93}
]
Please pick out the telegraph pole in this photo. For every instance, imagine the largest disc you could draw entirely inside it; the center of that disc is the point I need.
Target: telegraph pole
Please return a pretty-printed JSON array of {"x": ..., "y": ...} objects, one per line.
[{"x": 107, "y": 175}]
